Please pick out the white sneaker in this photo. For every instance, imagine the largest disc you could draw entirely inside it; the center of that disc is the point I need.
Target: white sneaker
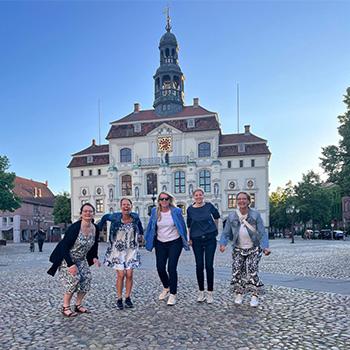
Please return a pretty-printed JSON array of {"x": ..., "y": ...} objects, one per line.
[
  {"x": 210, "y": 298},
  {"x": 164, "y": 294},
  {"x": 201, "y": 296},
  {"x": 172, "y": 299},
  {"x": 239, "y": 299},
  {"x": 254, "y": 301}
]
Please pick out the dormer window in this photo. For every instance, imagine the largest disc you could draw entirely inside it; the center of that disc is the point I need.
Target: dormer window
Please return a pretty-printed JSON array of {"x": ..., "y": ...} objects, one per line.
[
  {"x": 190, "y": 123},
  {"x": 137, "y": 127},
  {"x": 241, "y": 147},
  {"x": 90, "y": 159}
]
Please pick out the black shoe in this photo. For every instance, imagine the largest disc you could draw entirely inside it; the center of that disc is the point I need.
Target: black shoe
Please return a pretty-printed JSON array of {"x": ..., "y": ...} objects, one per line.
[
  {"x": 120, "y": 305},
  {"x": 128, "y": 303}
]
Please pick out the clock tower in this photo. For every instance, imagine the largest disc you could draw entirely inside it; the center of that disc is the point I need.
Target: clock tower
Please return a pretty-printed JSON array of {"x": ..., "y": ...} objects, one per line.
[{"x": 169, "y": 79}]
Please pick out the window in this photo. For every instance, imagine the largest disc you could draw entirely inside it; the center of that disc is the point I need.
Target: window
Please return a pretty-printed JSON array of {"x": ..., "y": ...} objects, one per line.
[
  {"x": 137, "y": 127},
  {"x": 89, "y": 159},
  {"x": 179, "y": 182},
  {"x": 98, "y": 171},
  {"x": 190, "y": 123},
  {"x": 125, "y": 155},
  {"x": 126, "y": 185},
  {"x": 229, "y": 164},
  {"x": 90, "y": 172},
  {"x": 204, "y": 149},
  {"x": 81, "y": 172},
  {"x": 83, "y": 201},
  {"x": 241, "y": 147},
  {"x": 231, "y": 185},
  {"x": 204, "y": 180},
  {"x": 99, "y": 191},
  {"x": 252, "y": 163},
  {"x": 11, "y": 219},
  {"x": 241, "y": 163},
  {"x": 99, "y": 206},
  {"x": 252, "y": 200},
  {"x": 231, "y": 201},
  {"x": 84, "y": 192},
  {"x": 183, "y": 208},
  {"x": 151, "y": 180}
]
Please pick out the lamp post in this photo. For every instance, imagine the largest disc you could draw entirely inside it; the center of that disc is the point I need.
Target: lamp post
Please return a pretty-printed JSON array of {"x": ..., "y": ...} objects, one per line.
[
  {"x": 292, "y": 211},
  {"x": 154, "y": 197},
  {"x": 332, "y": 226},
  {"x": 38, "y": 218}
]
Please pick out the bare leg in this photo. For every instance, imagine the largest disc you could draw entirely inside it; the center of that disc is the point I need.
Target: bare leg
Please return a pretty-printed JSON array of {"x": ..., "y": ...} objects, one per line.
[
  {"x": 67, "y": 297},
  {"x": 129, "y": 281},
  {"x": 120, "y": 283}
]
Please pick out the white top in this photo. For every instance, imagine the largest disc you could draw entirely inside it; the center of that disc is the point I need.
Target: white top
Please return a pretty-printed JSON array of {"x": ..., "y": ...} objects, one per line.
[
  {"x": 245, "y": 241},
  {"x": 166, "y": 231}
]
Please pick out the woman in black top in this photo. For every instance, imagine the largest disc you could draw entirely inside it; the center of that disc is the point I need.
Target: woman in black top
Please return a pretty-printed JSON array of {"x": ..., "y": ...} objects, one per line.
[
  {"x": 202, "y": 220},
  {"x": 72, "y": 257}
]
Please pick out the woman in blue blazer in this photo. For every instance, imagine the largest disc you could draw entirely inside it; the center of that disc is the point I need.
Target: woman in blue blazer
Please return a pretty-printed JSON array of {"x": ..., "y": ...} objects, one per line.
[{"x": 166, "y": 231}]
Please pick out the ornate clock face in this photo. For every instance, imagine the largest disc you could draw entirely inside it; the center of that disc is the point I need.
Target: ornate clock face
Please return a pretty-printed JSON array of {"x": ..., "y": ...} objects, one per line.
[{"x": 165, "y": 144}]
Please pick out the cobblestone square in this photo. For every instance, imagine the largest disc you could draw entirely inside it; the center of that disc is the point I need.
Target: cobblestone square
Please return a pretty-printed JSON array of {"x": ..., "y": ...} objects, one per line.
[{"x": 290, "y": 317}]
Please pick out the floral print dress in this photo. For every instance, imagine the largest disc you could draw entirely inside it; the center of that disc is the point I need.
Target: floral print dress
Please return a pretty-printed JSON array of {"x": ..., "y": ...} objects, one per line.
[{"x": 123, "y": 254}]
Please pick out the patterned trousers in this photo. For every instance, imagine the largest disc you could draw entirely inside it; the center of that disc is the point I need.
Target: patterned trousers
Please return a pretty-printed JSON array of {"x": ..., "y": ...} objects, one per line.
[{"x": 245, "y": 266}]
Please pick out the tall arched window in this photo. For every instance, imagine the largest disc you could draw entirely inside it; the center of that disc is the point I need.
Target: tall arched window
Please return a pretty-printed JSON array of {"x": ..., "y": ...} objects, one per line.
[
  {"x": 179, "y": 182},
  {"x": 204, "y": 180},
  {"x": 151, "y": 180},
  {"x": 125, "y": 155},
  {"x": 204, "y": 149},
  {"x": 126, "y": 185}
]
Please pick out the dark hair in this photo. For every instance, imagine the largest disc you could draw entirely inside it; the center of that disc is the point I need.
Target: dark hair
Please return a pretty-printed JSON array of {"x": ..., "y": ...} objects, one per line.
[
  {"x": 126, "y": 199},
  {"x": 245, "y": 193},
  {"x": 87, "y": 204}
]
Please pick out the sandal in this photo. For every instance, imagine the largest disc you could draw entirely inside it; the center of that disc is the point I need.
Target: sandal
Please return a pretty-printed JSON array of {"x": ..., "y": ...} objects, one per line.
[
  {"x": 67, "y": 312},
  {"x": 81, "y": 309}
]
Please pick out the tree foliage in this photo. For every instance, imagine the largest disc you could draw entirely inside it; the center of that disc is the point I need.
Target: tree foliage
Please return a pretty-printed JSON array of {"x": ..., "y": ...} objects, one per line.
[
  {"x": 62, "y": 209},
  {"x": 335, "y": 160},
  {"x": 8, "y": 199}
]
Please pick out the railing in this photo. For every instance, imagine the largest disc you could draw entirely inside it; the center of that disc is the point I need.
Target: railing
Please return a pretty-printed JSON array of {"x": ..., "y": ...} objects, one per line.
[{"x": 164, "y": 160}]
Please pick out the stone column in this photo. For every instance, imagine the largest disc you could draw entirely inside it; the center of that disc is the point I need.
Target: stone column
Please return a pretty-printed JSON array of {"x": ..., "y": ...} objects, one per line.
[{"x": 17, "y": 229}]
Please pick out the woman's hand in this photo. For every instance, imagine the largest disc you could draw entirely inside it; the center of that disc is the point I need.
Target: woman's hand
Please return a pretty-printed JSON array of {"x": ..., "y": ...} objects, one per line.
[
  {"x": 73, "y": 270},
  {"x": 97, "y": 262},
  {"x": 222, "y": 248},
  {"x": 267, "y": 251},
  {"x": 190, "y": 242}
]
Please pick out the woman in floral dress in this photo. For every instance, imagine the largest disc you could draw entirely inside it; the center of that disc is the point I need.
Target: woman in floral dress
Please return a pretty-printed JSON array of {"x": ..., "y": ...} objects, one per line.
[
  {"x": 72, "y": 257},
  {"x": 123, "y": 254}
]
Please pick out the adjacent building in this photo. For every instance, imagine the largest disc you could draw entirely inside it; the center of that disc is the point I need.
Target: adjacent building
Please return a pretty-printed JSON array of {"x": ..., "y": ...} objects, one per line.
[
  {"x": 36, "y": 209},
  {"x": 171, "y": 147}
]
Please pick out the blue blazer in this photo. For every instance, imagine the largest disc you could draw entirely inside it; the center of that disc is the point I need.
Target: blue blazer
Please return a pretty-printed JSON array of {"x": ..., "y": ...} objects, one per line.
[{"x": 151, "y": 231}]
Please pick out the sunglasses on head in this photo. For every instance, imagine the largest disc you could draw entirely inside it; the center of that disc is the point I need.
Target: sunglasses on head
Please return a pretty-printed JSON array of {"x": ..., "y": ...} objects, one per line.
[{"x": 164, "y": 199}]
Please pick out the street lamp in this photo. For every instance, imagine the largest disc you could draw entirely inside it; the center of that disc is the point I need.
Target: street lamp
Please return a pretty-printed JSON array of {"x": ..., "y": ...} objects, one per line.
[
  {"x": 292, "y": 211},
  {"x": 154, "y": 197},
  {"x": 38, "y": 218},
  {"x": 332, "y": 226}
]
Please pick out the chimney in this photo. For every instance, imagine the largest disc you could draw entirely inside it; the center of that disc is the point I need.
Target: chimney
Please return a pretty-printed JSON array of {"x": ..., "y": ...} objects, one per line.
[
  {"x": 93, "y": 142},
  {"x": 247, "y": 129},
  {"x": 136, "y": 107},
  {"x": 195, "y": 102},
  {"x": 46, "y": 183}
]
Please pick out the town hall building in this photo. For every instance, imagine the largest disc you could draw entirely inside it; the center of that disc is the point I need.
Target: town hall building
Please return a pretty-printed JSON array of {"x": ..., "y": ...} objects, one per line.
[{"x": 174, "y": 148}]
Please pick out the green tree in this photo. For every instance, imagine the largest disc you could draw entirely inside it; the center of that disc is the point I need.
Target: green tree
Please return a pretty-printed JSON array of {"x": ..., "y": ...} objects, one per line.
[
  {"x": 62, "y": 209},
  {"x": 8, "y": 199},
  {"x": 314, "y": 200},
  {"x": 335, "y": 160}
]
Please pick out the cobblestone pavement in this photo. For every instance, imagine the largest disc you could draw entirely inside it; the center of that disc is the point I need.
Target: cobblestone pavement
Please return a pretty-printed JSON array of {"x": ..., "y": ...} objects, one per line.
[{"x": 287, "y": 318}]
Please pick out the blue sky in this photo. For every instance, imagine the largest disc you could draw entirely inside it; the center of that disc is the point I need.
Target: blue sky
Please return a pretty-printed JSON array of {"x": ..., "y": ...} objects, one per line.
[{"x": 291, "y": 60}]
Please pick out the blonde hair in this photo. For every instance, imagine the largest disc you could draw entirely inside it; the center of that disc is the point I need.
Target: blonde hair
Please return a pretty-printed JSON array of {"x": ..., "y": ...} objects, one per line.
[{"x": 172, "y": 203}]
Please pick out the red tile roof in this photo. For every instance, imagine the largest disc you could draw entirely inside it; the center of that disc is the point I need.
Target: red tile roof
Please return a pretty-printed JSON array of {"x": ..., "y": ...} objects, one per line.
[
  {"x": 127, "y": 130},
  {"x": 101, "y": 159},
  {"x": 250, "y": 149},
  {"x": 93, "y": 149},
  {"x": 231, "y": 139},
  {"x": 150, "y": 114},
  {"x": 25, "y": 189}
]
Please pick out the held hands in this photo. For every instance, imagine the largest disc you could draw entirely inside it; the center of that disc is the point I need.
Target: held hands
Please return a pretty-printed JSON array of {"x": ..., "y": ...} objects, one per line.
[
  {"x": 267, "y": 251},
  {"x": 73, "y": 270},
  {"x": 97, "y": 262},
  {"x": 222, "y": 248},
  {"x": 190, "y": 243}
]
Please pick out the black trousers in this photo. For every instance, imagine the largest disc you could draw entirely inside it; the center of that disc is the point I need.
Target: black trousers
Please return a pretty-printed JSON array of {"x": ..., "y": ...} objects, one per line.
[
  {"x": 40, "y": 245},
  {"x": 204, "y": 250},
  {"x": 168, "y": 252}
]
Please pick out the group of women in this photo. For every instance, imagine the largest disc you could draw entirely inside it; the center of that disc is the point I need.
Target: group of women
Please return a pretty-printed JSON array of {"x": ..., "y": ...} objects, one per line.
[{"x": 167, "y": 234}]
